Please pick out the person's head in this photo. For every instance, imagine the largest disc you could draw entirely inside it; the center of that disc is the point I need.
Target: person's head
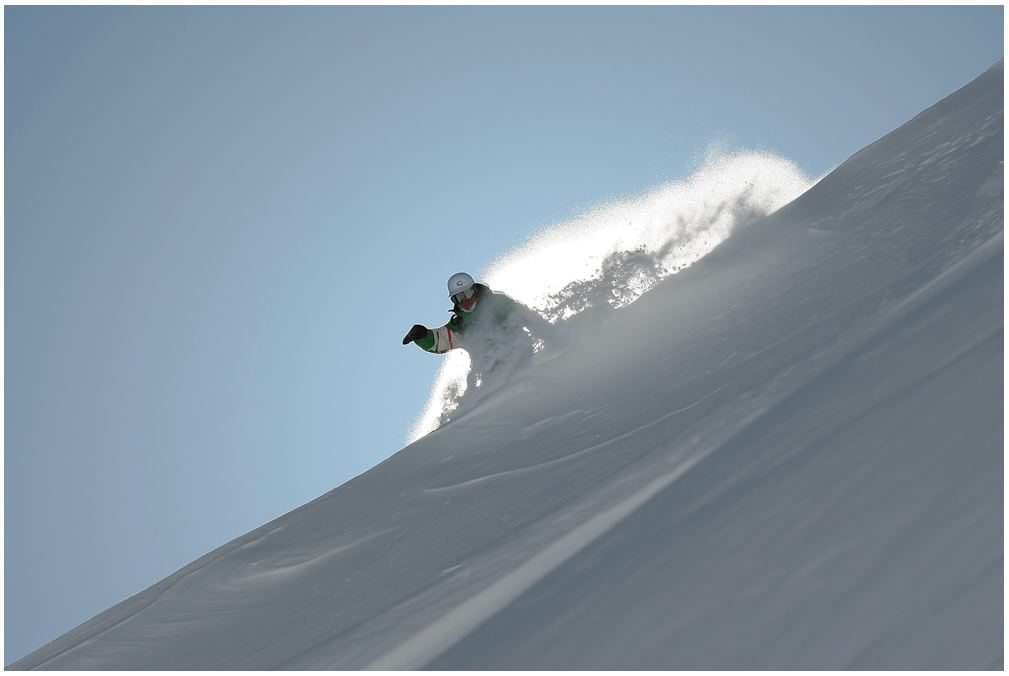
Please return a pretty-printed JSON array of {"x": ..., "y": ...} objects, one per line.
[{"x": 463, "y": 292}]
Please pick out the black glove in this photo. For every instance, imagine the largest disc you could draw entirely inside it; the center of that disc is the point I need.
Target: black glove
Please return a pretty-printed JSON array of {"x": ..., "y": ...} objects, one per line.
[{"x": 418, "y": 331}]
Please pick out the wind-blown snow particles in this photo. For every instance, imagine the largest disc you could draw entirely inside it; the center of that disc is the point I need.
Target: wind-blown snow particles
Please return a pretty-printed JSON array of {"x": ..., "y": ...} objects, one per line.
[
  {"x": 765, "y": 438},
  {"x": 609, "y": 257}
]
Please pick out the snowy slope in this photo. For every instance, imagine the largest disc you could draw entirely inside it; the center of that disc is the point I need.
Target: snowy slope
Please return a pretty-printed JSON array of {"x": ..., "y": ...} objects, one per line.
[{"x": 788, "y": 455}]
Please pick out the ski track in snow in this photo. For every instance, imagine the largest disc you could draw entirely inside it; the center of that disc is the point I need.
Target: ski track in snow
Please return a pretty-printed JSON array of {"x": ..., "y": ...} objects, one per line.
[
  {"x": 445, "y": 632},
  {"x": 571, "y": 456}
]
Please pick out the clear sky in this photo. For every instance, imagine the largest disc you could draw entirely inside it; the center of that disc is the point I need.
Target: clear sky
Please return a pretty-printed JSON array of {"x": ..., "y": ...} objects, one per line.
[{"x": 222, "y": 221}]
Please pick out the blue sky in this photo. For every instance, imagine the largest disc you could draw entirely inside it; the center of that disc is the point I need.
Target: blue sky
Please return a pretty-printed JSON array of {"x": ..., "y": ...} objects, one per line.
[{"x": 219, "y": 223}]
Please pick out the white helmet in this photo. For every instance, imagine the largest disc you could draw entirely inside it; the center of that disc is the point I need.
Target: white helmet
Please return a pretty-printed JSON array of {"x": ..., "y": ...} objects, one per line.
[{"x": 458, "y": 283}]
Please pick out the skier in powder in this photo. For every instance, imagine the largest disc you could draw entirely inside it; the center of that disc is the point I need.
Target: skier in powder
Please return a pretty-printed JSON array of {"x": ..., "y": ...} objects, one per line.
[{"x": 497, "y": 331}]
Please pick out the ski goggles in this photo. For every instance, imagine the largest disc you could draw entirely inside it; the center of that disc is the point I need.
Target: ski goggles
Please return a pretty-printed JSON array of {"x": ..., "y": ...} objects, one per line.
[{"x": 464, "y": 295}]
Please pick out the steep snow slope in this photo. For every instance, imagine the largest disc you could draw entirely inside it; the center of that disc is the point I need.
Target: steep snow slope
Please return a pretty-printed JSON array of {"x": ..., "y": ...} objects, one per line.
[{"x": 788, "y": 455}]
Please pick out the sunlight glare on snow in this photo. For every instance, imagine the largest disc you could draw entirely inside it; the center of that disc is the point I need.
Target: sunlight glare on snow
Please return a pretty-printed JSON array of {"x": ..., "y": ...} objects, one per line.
[
  {"x": 617, "y": 251},
  {"x": 449, "y": 384}
]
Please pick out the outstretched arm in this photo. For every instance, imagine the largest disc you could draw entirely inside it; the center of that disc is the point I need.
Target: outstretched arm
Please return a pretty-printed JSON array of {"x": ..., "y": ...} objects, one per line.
[{"x": 438, "y": 340}]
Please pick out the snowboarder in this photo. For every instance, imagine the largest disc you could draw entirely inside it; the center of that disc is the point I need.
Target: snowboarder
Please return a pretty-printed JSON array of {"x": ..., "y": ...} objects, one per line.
[{"x": 497, "y": 331}]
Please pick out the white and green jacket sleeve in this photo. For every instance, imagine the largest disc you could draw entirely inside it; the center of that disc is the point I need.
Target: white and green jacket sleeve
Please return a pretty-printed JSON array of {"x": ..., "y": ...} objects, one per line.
[{"x": 439, "y": 340}]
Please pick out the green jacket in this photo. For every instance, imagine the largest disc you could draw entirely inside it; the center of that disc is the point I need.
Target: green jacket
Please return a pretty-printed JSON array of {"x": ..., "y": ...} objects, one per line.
[{"x": 493, "y": 309}]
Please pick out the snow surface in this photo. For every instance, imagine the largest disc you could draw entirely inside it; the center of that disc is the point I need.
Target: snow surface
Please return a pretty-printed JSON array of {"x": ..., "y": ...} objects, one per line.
[{"x": 787, "y": 455}]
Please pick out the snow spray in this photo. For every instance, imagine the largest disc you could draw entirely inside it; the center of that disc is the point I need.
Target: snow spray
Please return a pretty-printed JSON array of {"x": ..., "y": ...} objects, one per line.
[{"x": 614, "y": 252}]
